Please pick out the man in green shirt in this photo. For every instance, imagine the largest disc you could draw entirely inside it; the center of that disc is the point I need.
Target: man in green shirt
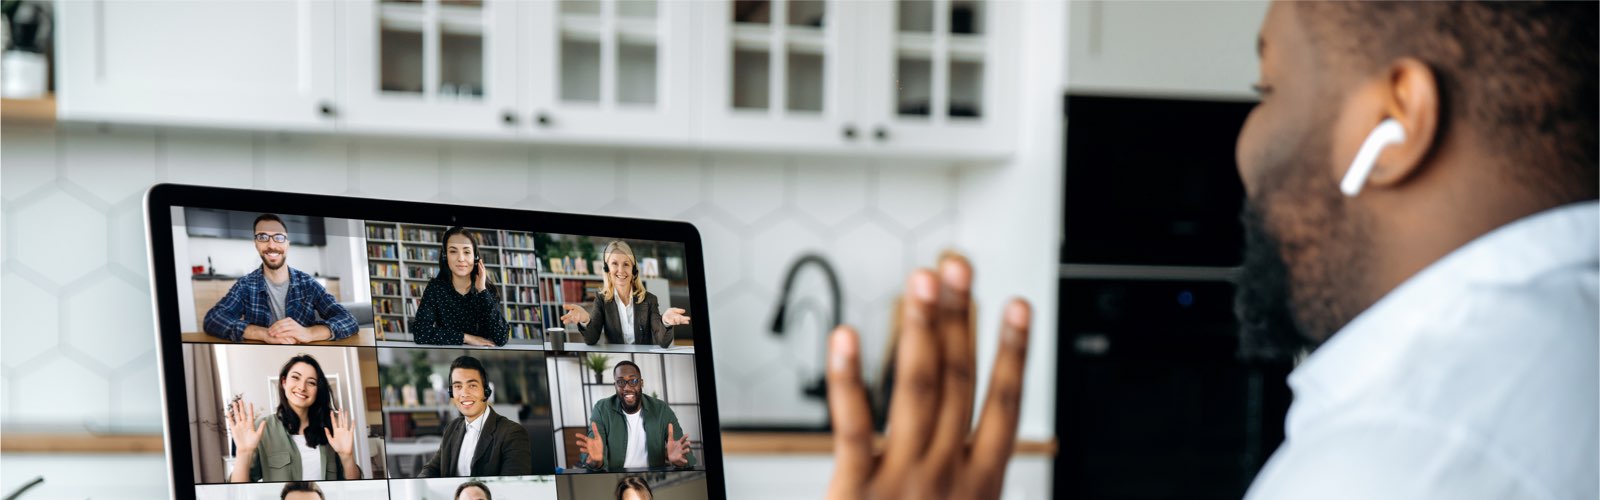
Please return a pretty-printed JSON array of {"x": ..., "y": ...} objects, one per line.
[{"x": 632, "y": 430}]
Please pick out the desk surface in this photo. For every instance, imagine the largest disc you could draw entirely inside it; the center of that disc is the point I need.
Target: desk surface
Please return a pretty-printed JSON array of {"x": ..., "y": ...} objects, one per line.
[
  {"x": 568, "y": 347},
  {"x": 362, "y": 338}
]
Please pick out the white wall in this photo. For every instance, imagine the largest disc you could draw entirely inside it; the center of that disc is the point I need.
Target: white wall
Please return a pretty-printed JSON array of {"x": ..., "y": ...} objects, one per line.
[
  {"x": 235, "y": 257},
  {"x": 81, "y": 188}
]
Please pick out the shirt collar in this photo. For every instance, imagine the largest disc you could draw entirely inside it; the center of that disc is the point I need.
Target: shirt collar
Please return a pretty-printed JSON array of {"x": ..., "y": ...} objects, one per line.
[
  {"x": 1522, "y": 250},
  {"x": 477, "y": 425}
]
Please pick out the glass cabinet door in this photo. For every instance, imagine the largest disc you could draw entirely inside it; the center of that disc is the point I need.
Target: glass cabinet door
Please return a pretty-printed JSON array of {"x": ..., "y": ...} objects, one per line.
[
  {"x": 777, "y": 71},
  {"x": 941, "y": 67},
  {"x": 939, "y": 52},
  {"x": 421, "y": 63},
  {"x": 608, "y": 68}
]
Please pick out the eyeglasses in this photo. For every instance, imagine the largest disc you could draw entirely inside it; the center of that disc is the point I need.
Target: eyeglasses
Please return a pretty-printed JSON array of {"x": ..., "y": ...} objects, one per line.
[
  {"x": 635, "y": 382},
  {"x": 275, "y": 237}
]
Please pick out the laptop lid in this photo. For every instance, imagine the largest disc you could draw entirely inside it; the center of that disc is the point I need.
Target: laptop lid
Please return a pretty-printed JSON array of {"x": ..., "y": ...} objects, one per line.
[{"x": 343, "y": 347}]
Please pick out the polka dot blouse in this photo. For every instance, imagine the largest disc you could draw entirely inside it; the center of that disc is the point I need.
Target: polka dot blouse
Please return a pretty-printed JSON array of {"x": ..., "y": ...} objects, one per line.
[{"x": 445, "y": 315}]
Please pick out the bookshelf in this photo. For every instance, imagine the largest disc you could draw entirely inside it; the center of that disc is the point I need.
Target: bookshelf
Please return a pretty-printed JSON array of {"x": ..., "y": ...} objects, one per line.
[{"x": 403, "y": 257}]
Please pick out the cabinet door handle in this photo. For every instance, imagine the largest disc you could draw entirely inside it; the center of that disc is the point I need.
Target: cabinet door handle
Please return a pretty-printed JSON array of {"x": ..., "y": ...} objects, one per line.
[
  {"x": 850, "y": 132},
  {"x": 882, "y": 133},
  {"x": 543, "y": 119},
  {"x": 509, "y": 117},
  {"x": 327, "y": 109}
]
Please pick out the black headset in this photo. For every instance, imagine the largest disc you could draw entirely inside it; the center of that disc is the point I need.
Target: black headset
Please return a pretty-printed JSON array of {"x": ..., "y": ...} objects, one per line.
[
  {"x": 470, "y": 363},
  {"x": 632, "y": 259},
  {"x": 477, "y": 256}
]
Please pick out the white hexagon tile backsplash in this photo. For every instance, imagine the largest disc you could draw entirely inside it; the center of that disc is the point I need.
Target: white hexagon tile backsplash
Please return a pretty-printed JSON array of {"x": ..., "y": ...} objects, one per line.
[{"x": 74, "y": 291}]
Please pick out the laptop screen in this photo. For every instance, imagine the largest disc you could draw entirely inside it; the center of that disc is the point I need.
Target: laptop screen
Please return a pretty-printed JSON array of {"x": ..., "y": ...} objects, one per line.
[{"x": 340, "y": 358}]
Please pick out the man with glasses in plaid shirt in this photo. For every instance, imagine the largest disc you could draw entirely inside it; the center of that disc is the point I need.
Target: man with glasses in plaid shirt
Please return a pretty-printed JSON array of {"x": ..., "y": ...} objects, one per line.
[{"x": 277, "y": 304}]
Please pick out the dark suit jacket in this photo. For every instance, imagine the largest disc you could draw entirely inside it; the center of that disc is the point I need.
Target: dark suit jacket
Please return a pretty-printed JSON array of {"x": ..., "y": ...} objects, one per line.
[
  {"x": 503, "y": 450},
  {"x": 647, "y": 325}
]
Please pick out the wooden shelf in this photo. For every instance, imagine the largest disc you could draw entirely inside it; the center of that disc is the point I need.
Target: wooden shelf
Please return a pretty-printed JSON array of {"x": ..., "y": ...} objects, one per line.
[
  {"x": 14, "y": 442},
  {"x": 41, "y": 111}
]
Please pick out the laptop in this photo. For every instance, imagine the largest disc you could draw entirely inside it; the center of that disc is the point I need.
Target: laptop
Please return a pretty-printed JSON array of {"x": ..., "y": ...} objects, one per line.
[{"x": 346, "y": 348}]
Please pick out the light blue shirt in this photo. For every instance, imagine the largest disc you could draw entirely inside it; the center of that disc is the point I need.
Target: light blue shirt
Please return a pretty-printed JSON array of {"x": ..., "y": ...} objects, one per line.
[{"x": 1475, "y": 379}]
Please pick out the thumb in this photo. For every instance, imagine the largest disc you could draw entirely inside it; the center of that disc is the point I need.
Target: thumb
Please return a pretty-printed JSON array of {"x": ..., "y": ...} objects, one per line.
[
  {"x": 595, "y": 427},
  {"x": 261, "y": 426},
  {"x": 669, "y": 431}
]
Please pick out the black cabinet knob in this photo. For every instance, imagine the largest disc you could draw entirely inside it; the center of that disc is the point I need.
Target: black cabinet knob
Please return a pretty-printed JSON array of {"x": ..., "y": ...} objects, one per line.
[
  {"x": 542, "y": 118},
  {"x": 882, "y": 133},
  {"x": 509, "y": 117},
  {"x": 327, "y": 109},
  {"x": 850, "y": 132}
]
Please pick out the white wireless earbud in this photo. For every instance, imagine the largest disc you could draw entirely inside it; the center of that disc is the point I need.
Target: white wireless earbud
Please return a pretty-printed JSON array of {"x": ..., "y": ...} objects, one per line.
[{"x": 1386, "y": 133}]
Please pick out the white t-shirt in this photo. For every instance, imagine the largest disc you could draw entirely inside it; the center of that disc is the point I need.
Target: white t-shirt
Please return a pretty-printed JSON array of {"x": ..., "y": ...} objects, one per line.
[
  {"x": 625, "y": 314},
  {"x": 637, "y": 455},
  {"x": 310, "y": 460}
]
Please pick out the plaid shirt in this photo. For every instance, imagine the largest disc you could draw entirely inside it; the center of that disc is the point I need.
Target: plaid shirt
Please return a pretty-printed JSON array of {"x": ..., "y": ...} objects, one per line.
[{"x": 248, "y": 303}]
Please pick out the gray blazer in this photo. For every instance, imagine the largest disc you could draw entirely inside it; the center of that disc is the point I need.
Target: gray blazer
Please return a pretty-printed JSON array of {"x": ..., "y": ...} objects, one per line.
[{"x": 647, "y": 325}]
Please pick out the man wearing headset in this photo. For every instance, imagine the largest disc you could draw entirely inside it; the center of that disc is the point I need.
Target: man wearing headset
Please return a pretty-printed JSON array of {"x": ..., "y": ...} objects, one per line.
[
  {"x": 1421, "y": 217},
  {"x": 481, "y": 442}
]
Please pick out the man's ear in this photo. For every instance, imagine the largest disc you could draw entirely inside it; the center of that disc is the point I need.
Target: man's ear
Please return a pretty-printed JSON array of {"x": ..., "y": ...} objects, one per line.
[{"x": 1410, "y": 95}]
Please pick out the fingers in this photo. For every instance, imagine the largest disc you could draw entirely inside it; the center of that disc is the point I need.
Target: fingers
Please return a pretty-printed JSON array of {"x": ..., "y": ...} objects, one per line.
[
  {"x": 851, "y": 413},
  {"x": 669, "y": 432},
  {"x": 954, "y": 330},
  {"x": 997, "y": 429},
  {"x": 917, "y": 379}
]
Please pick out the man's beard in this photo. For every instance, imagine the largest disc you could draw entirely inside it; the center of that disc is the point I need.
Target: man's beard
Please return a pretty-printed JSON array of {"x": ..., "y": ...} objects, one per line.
[
  {"x": 268, "y": 263},
  {"x": 1267, "y": 327},
  {"x": 1304, "y": 269},
  {"x": 637, "y": 400}
]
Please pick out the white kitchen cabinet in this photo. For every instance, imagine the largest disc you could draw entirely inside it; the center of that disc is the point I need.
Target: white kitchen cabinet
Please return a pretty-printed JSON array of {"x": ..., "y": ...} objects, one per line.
[
  {"x": 940, "y": 76},
  {"x": 215, "y": 64},
  {"x": 913, "y": 78},
  {"x": 779, "y": 74},
  {"x": 1203, "y": 49},
  {"x": 608, "y": 71},
  {"x": 443, "y": 67},
  {"x": 921, "y": 77}
]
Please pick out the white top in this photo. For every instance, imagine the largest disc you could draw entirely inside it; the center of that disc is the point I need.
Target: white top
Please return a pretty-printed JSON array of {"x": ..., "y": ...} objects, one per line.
[
  {"x": 625, "y": 313},
  {"x": 310, "y": 460},
  {"x": 637, "y": 455},
  {"x": 469, "y": 442},
  {"x": 1474, "y": 379}
]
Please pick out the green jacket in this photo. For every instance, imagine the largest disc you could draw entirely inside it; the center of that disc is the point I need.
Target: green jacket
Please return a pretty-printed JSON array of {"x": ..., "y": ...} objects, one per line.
[
  {"x": 277, "y": 459},
  {"x": 609, "y": 417}
]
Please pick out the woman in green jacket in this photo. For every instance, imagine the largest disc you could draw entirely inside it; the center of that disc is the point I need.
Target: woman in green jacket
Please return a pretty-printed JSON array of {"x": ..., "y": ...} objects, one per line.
[{"x": 305, "y": 440}]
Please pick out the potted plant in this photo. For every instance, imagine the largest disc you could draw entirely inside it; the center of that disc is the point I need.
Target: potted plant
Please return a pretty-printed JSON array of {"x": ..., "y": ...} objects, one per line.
[{"x": 597, "y": 363}]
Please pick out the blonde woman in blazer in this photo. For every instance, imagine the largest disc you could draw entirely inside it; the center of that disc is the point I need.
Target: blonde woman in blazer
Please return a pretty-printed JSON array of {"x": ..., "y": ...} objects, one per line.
[{"x": 623, "y": 311}]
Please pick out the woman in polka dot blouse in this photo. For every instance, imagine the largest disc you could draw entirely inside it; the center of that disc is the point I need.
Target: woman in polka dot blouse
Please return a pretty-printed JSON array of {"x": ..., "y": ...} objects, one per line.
[{"x": 459, "y": 306}]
